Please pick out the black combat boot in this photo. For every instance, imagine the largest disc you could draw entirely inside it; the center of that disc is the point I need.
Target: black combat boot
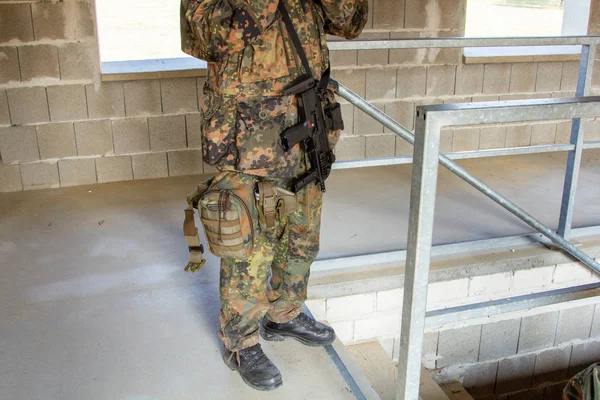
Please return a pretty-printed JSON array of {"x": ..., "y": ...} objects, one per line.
[
  {"x": 302, "y": 328},
  {"x": 254, "y": 367}
]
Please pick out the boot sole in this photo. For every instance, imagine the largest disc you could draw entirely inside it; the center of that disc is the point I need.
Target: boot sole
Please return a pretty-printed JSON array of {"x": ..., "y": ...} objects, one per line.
[
  {"x": 280, "y": 337},
  {"x": 231, "y": 365}
]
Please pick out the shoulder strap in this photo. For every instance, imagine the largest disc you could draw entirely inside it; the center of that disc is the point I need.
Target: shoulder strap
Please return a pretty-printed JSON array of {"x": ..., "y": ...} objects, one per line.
[{"x": 289, "y": 25}]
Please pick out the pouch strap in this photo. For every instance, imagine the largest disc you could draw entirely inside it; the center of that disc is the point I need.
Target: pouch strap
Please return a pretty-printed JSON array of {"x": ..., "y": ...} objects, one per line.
[
  {"x": 267, "y": 202},
  {"x": 287, "y": 203},
  {"x": 193, "y": 241}
]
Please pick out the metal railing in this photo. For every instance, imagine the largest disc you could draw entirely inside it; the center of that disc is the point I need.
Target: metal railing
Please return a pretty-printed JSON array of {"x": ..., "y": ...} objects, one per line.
[{"x": 430, "y": 120}]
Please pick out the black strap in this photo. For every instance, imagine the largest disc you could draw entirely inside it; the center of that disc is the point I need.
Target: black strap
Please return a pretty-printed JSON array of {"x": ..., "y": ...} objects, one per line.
[{"x": 289, "y": 25}]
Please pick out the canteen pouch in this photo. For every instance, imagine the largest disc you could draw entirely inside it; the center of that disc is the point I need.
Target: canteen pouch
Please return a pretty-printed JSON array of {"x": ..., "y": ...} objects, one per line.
[
  {"x": 229, "y": 215},
  {"x": 274, "y": 203}
]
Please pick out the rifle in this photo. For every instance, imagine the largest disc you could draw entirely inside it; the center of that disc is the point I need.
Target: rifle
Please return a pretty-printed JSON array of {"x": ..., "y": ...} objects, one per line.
[{"x": 315, "y": 123}]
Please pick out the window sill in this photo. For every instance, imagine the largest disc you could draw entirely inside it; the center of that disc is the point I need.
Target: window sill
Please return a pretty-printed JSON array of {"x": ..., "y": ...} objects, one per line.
[
  {"x": 184, "y": 67},
  {"x": 497, "y": 55}
]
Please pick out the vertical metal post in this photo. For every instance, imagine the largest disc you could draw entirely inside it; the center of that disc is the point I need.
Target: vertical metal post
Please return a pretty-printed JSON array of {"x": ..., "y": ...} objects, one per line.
[
  {"x": 420, "y": 234},
  {"x": 584, "y": 83}
]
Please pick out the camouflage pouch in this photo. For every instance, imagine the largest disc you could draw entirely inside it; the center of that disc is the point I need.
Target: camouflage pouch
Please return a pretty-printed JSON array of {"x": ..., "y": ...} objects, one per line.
[{"x": 229, "y": 215}]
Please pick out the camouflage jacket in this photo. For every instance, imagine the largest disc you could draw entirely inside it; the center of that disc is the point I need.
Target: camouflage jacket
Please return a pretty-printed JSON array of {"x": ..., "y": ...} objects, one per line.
[{"x": 251, "y": 58}]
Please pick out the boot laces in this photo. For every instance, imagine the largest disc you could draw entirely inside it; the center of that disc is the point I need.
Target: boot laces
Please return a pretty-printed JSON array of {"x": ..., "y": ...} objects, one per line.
[{"x": 253, "y": 358}]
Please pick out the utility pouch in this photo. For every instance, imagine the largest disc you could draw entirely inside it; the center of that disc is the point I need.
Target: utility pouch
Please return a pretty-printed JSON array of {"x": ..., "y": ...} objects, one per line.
[
  {"x": 274, "y": 203},
  {"x": 228, "y": 213},
  {"x": 333, "y": 117}
]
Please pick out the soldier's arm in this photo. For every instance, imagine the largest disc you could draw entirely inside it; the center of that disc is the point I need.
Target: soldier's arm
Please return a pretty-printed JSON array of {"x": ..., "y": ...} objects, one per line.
[
  {"x": 213, "y": 29},
  {"x": 345, "y": 18}
]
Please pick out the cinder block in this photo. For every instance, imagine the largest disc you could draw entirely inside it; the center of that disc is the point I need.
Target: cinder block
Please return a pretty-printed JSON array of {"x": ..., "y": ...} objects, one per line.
[
  {"x": 167, "y": 133},
  {"x": 107, "y": 101},
  {"x": 67, "y": 102},
  {"x": 583, "y": 355},
  {"x": 353, "y": 79},
  {"x": 518, "y": 135},
  {"x": 440, "y": 80},
  {"x": 390, "y": 299},
  {"x": 376, "y": 327},
  {"x": 30, "y": 61},
  {"x": 496, "y": 78},
  {"x": 56, "y": 140},
  {"x": 480, "y": 379},
  {"x": 114, "y": 168},
  {"x": 150, "y": 165},
  {"x": 185, "y": 162},
  {"x": 4, "y": 115},
  {"x": 490, "y": 285},
  {"x": 94, "y": 138},
  {"x": 10, "y": 178},
  {"x": 344, "y": 330},
  {"x": 459, "y": 346},
  {"x": 131, "y": 135},
  {"x": 515, "y": 373},
  {"x": 407, "y": 56},
  {"x": 192, "y": 128},
  {"x": 444, "y": 14},
  {"x": 350, "y": 307},
  {"x": 571, "y": 272},
  {"x": 563, "y": 132},
  {"x": 78, "y": 60},
  {"x": 380, "y": 146},
  {"x": 430, "y": 347},
  {"x": 412, "y": 82},
  {"x": 446, "y": 140},
  {"x": 548, "y": 76},
  {"x": 75, "y": 172},
  {"x": 469, "y": 79},
  {"x": 200, "y": 83},
  {"x": 403, "y": 148},
  {"x": 179, "y": 95},
  {"x": 343, "y": 58},
  {"x": 142, "y": 97},
  {"x": 522, "y": 77},
  {"x": 492, "y": 137},
  {"x": 485, "y": 98},
  {"x": 9, "y": 65},
  {"x": 533, "y": 277},
  {"x": 592, "y": 130},
  {"x": 40, "y": 175},
  {"x": 552, "y": 365},
  {"x": 28, "y": 105},
  {"x": 18, "y": 144},
  {"x": 317, "y": 308},
  {"x": 381, "y": 84},
  {"x": 373, "y": 57},
  {"x": 499, "y": 339},
  {"x": 15, "y": 22},
  {"x": 64, "y": 20},
  {"x": 388, "y": 14},
  {"x": 465, "y": 139},
  {"x": 351, "y": 148},
  {"x": 570, "y": 73},
  {"x": 537, "y": 332},
  {"x": 574, "y": 323},
  {"x": 543, "y": 134},
  {"x": 441, "y": 292},
  {"x": 403, "y": 112},
  {"x": 366, "y": 125}
]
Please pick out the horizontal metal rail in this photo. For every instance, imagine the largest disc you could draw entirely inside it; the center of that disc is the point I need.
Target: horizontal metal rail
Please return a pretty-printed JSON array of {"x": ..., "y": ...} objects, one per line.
[{"x": 453, "y": 42}]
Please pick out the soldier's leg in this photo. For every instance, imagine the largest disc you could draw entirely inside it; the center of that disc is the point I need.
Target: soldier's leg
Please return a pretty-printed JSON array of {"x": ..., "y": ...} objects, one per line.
[{"x": 294, "y": 254}]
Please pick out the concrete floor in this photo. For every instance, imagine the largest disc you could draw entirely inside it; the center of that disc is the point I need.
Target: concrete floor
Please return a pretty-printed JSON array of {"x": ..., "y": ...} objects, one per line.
[{"x": 94, "y": 303}]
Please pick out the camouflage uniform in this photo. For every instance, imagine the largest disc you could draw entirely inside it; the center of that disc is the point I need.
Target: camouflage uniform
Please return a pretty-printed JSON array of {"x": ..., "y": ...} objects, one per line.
[{"x": 251, "y": 59}]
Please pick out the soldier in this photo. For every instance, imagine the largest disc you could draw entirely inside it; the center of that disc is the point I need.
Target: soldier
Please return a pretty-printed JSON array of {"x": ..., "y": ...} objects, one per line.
[{"x": 252, "y": 56}]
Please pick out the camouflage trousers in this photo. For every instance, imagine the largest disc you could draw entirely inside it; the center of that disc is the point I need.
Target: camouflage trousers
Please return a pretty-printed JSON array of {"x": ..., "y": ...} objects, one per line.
[{"x": 273, "y": 281}]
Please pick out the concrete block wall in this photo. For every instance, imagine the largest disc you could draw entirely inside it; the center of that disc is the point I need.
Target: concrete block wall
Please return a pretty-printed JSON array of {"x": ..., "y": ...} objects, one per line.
[
  {"x": 57, "y": 115},
  {"x": 61, "y": 126},
  {"x": 494, "y": 356}
]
